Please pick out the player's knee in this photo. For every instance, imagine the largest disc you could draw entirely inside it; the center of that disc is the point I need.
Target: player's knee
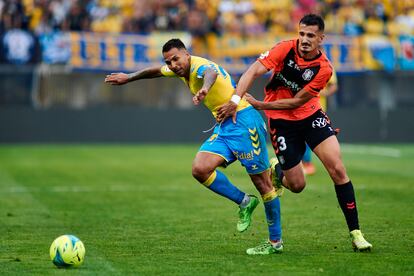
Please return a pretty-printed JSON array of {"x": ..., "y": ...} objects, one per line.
[
  {"x": 200, "y": 173},
  {"x": 297, "y": 187},
  {"x": 296, "y": 184}
]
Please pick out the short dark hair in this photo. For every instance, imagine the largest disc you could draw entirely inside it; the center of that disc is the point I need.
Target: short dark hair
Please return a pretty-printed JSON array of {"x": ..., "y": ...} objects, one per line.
[
  {"x": 312, "y": 20},
  {"x": 173, "y": 43}
]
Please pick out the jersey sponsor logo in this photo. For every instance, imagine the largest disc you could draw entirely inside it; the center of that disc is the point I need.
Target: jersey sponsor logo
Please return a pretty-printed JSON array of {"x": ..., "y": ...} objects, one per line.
[
  {"x": 244, "y": 155},
  {"x": 307, "y": 75},
  {"x": 290, "y": 84},
  {"x": 292, "y": 64},
  {"x": 264, "y": 55},
  {"x": 319, "y": 122}
]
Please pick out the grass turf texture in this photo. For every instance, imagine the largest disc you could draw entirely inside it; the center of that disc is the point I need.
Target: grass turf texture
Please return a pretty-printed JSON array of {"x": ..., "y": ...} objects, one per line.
[{"x": 138, "y": 211}]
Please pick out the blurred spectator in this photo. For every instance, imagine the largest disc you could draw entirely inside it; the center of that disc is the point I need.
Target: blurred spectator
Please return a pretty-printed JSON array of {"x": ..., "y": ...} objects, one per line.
[
  {"x": 17, "y": 44},
  {"x": 203, "y": 18},
  {"x": 77, "y": 19},
  {"x": 141, "y": 20}
]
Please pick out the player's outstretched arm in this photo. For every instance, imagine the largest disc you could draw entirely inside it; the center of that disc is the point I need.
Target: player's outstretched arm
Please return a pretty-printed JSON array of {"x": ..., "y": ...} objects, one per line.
[
  {"x": 209, "y": 78},
  {"x": 123, "y": 78}
]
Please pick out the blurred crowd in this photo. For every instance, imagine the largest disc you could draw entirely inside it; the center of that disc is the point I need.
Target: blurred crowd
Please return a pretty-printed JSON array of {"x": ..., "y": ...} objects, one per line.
[{"x": 200, "y": 17}]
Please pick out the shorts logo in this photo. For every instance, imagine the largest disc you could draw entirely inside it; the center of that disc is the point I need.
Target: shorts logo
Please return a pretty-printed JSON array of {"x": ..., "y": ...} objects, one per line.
[
  {"x": 212, "y": 137},
  {"x": 307, "y": 75},
  {"x": 244, "y": 155},
  {"x": 254, "y": 167},
  {"x": 254, "y": 136},
  {"x": 281, "y": 159},
  {"x": 319, "y": 122}
]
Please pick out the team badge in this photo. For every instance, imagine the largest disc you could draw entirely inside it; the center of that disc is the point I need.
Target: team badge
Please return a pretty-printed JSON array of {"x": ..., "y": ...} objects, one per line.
[
  {"x": 307, "y": 75},
  {"x": 263, "y": 55}
]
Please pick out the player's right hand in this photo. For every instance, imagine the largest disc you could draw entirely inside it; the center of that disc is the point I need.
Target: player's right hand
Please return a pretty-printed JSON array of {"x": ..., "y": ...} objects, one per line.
[
  {"x": 116, "y": 78},
  {"x": 199, "y": 96},
  {"x": 227, "y": 110}
]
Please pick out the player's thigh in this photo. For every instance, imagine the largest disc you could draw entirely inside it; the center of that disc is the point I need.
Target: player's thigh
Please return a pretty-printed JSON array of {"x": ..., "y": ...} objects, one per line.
[
  {"x": 317, "y": 128},
  {"x": 214, "y": 152},
  {"x": 207, "y": 161},
  {"x": 329, "y": 153},
  {"x": 288, "y": 142},
  {"x": 247, "y": 140}
]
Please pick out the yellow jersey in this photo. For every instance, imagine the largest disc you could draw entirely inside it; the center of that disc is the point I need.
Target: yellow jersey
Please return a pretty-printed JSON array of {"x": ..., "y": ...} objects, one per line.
[{"x": 219, "y": 93}]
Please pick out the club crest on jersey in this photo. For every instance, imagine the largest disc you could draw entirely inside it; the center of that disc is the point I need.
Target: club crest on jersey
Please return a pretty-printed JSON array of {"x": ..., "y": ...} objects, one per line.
[
  {"x": 307, "y": 75},
  {"x": 319, "y": 122},
  {"x": 263, "y": 55}
]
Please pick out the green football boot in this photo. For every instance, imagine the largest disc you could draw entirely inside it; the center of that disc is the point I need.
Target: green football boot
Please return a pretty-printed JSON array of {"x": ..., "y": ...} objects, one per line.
[
  {"x": 277, "y": 183},
  {"x": 245, "y": 214},
  {"x": 266, "y": 248},
  {"x": 359, "y": 243}
]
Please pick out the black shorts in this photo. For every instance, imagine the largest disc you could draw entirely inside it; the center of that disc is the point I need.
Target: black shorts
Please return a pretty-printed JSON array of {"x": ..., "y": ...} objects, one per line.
[{"x": 289, "y": 138}]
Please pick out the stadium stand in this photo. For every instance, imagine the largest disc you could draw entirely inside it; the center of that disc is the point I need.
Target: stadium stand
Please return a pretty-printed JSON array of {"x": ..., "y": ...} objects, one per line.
[{"x": 348, "y": 17}]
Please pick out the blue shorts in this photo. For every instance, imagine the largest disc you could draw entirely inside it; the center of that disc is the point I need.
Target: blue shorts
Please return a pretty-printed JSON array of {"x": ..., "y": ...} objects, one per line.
[{"x": 245, "y": 141}]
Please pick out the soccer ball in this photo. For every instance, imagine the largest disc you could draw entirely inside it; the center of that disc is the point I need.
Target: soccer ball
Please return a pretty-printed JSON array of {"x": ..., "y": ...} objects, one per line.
[{"x": 67, "y": 251}]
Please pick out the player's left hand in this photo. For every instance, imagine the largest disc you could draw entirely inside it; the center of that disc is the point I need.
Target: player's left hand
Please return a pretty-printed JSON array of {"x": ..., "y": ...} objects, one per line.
[
  {"x": 199, "y": 96},
  {"x": 117, "y": 78},
  {"x": 227, "y": 110},
  {"x": 255, "y": 103}
]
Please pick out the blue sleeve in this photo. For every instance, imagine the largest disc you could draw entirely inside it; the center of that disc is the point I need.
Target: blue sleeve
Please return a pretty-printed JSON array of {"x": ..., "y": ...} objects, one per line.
[{"x": 202, "y": 69}]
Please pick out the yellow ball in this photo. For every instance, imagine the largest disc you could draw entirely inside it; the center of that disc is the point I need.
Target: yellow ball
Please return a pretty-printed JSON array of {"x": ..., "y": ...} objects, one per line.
[{"x": 67, "y": 251}]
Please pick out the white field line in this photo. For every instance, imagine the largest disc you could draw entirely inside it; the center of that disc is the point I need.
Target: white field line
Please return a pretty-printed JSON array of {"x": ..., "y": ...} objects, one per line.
[{"x": 371, "y": 150}]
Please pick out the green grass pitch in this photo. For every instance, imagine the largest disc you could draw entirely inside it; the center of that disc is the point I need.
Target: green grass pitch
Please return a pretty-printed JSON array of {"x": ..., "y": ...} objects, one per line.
[{"x": 139, "y": 212}]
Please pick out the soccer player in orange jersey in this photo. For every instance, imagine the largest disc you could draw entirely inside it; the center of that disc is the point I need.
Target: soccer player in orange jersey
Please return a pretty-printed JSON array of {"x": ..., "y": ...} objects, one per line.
[{"x": 291, "y": 103}]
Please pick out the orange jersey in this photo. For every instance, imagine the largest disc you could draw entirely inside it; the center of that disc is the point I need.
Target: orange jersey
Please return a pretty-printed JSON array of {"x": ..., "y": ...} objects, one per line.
[{"x": 291, "y": 74}]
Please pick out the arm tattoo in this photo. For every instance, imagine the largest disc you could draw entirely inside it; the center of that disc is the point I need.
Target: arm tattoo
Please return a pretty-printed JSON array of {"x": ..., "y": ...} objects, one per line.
[
  {"x": 210, "y": 77},
  {"x": 147, "y": 73}
]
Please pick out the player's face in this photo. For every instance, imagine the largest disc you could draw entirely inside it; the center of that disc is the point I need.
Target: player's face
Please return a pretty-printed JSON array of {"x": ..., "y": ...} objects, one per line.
[
  {"x": 178, "y": 61},
  {"x": 310, "y": 39}
]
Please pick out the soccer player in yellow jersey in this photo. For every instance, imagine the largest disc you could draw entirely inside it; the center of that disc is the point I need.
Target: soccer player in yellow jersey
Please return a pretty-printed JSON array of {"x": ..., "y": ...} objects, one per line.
[
  {"x": 330, "y": 89},
  {"x": 240, "y": 138}
]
